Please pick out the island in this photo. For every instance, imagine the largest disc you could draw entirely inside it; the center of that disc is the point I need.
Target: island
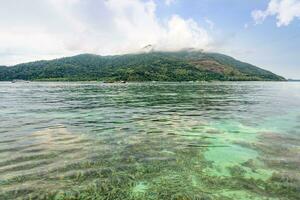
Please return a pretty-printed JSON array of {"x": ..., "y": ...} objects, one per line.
[{"x": 183, "y": 65}]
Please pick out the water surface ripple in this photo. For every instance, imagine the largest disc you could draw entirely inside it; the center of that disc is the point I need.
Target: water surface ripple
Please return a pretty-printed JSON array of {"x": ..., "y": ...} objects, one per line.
[{"x": 219, "y": 140}]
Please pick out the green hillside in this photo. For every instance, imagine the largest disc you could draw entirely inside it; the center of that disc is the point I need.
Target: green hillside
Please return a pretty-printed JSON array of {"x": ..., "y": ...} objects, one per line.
[{"x": 153, "y": 66}]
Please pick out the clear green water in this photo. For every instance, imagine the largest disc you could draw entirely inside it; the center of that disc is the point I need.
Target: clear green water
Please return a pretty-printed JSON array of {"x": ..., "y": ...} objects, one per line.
[{"x": 237, "y": 140}]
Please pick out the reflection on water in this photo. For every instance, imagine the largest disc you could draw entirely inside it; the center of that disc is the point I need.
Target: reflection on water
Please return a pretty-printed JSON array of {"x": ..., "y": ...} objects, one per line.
[{"x": 150, "y": 141}]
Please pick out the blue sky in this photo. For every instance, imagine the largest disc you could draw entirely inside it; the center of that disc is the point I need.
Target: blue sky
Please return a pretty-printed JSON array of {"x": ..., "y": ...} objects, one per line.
[{"x": 265, "y": 33}]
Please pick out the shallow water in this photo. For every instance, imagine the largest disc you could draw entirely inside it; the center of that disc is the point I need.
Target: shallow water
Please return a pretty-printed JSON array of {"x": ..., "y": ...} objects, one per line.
[{"x": 220, "y": 140}]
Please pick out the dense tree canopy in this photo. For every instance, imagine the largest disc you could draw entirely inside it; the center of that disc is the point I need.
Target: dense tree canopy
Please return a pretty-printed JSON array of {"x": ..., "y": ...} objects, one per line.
[{"x": 153, "y": 66}]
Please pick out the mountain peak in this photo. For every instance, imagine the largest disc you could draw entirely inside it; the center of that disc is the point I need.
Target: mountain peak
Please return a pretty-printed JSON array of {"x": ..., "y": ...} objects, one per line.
[{"x": 148, "y": 48}]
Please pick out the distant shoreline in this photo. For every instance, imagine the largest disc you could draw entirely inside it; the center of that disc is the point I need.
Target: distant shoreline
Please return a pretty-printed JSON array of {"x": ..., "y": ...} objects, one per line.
[{"x": 121, "y": 82}]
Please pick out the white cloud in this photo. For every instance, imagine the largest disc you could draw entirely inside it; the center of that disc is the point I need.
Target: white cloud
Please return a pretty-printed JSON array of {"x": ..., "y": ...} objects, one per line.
[
  {"x": 169, "y": 2},
  {"x": 210, "y": 23},
  {"x": 182, "y": 33},
  {"x": 31, "y": 29},
  {"x": 284, "y": 10}
]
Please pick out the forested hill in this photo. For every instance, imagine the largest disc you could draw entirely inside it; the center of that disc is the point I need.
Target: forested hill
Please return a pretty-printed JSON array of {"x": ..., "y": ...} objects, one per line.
[{"x": 152, "y": 66}]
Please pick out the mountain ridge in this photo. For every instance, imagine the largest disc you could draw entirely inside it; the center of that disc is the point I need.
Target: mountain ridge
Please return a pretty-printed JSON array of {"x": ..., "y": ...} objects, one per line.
[{"x": 184, "y": 65}]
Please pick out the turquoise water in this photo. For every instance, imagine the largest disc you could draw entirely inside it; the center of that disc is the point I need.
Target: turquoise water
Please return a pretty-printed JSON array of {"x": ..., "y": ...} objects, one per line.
[{"x": 218, "y": 140}]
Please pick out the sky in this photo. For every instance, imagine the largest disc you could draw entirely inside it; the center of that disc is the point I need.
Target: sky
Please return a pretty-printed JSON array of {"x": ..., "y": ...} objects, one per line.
[{"x": 265, "y": 33}]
